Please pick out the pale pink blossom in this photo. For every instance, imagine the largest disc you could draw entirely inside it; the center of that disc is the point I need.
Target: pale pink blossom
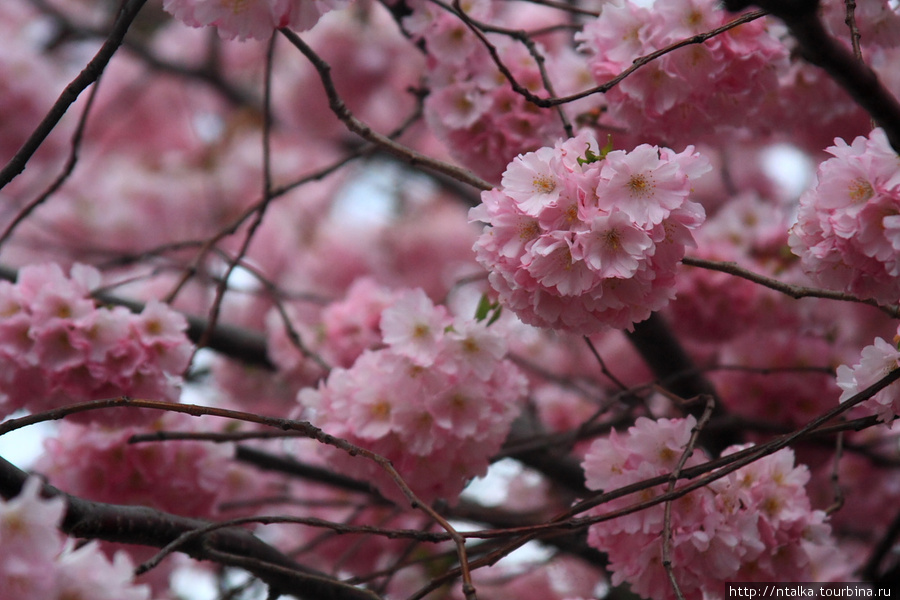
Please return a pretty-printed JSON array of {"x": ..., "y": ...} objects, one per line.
[
  {"x": 614, "y": 246},
  {"x": 58, "y": 347},
  {"x": 876, "y": 361},
  {"x": 595, "y": 251},
  {"x": 85, "y": 572},
  {"x": 845, "y": 234},
  {"x": 412, "y": 326},
  {"x": 642, "y": 184},
  {"x": 251, "y": 19},
  {"x": 437, "y": 413},
  {"x": 754, "y": 524},
  {"x": 532, "y": 181},
  {"x": 36, "y": 561}
]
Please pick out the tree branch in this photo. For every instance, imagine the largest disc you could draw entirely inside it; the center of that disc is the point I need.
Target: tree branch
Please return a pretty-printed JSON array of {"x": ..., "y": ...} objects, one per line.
[
  {"x": 819, "y": 48},
  {"x": 88, "y": 75},
  {"x": 230, "y": 546}
]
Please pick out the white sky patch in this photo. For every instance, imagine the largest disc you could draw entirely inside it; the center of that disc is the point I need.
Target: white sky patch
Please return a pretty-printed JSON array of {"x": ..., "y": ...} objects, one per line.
[
  {"x": 195, "y": 584},
  {"x": 371, "y": 197},
  {"x": 22, "y": 447},
  {"x": 790, "y": 167},
  {"x": 491, "y": 490},
  {"x": 368, "y": 199}
]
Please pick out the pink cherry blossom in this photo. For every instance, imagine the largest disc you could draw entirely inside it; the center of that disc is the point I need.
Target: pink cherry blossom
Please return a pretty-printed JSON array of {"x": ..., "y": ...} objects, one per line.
[
  {"x": 414, "y": 327},
  {"x": 845, "y": 232},
  {"x": 600, "y": 248},
  {"x": 36, "y": 562},
  {"x": 614, "y": 246},
  {"x": 58, "y": 347},
  {"x": 642, "y": 184},
  {"x": 253, "y": 19},
  {"x": 472, "y": 107},
  {"x": 876, "y": 361},
  {"x": 437, "y": 399},
  {"x": 186, "y": 478},
  {"x": 754, "y": 524},
  {"x": 531, "y": 180},
  {"x": 693, "y": 92}
]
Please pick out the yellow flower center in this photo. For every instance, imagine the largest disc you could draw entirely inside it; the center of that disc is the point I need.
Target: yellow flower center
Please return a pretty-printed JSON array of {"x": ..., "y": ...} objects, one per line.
[
  {"x": 237, "y": 6},
  {"x": 543, "y": 184},
  {"x": 640, "y": 186},
  {"x": 613, "y": 240},
  {"x": 860, "y": 190},
  {"x": 529, "y": 230}
]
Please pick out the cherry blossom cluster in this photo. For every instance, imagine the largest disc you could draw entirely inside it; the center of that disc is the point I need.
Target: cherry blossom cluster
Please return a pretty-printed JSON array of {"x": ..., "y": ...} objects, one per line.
[
  {"x": 754, "y": 524},
  {"x": 187, "y": 478},
  {"x": 472, "y": 107},
  {"x": 581, "y": 242},
  {"x": 437, "y": 399},
  {"x": 38, "y": 562},
  {"x": 254, "y": 19},
  {"x": 847, "y": 233},
  {"x": 58, "y": 347},
  {"x": 876, "y": 361},
  {"x": 693, "y": 90}
]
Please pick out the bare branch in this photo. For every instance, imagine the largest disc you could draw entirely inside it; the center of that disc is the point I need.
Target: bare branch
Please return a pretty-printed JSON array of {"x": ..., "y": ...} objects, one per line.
[
  {"x": 88, "y": 75},
  {"x": 364, "y": 131}
]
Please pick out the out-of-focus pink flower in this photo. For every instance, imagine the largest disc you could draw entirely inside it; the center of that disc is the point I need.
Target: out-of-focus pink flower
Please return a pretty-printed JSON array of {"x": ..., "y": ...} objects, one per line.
[
  {"x": 37, "y": 563},
  {"x": 693, "y": 91},
  {"x": 253, "y": 19},
  {"x": 57, "y": 347}
]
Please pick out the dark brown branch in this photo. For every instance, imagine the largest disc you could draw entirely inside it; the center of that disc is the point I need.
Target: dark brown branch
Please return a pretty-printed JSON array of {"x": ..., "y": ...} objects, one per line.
[
  {"x": 670, "y": 363},
  {"x": 63, "y": 176},
  {"x": 706, "y": 472},
  {"x": 283, "y": 464},
  {"x": 149, "y": 527},
  {"x": 208, "y": 74},
  {"x": 307, "y": 429},
  {"x": 794, "y": 291},
  {"x": 364, "y": 131},
  {"x": 819, "y": 48},
  {"x": 88, "y": 75}
]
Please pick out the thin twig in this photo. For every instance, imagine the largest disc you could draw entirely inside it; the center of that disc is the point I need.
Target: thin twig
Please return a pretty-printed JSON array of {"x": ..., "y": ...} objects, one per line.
[
  {"x": 566, "y": 6},
  {"x": 479, "y": 30},
  {"x": 88, "y": 75},
  {"x": 304, "y": 427},
  {"x": 673, "y": 479},
  {"x": 641, "y": 61},
  {"x": 603, "y": 368},
  {"x": 129, "y": 524},
  {"x": 339, "y": 108},
  {"x": 794, "y": 291},
  {"x": 191, "y": 536},
  {"x": 850, "y": 20},
  {"x": 707, "y": 473},
  {"x": 67, "y": 170},
  {"x": 222, "y": 287}
]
